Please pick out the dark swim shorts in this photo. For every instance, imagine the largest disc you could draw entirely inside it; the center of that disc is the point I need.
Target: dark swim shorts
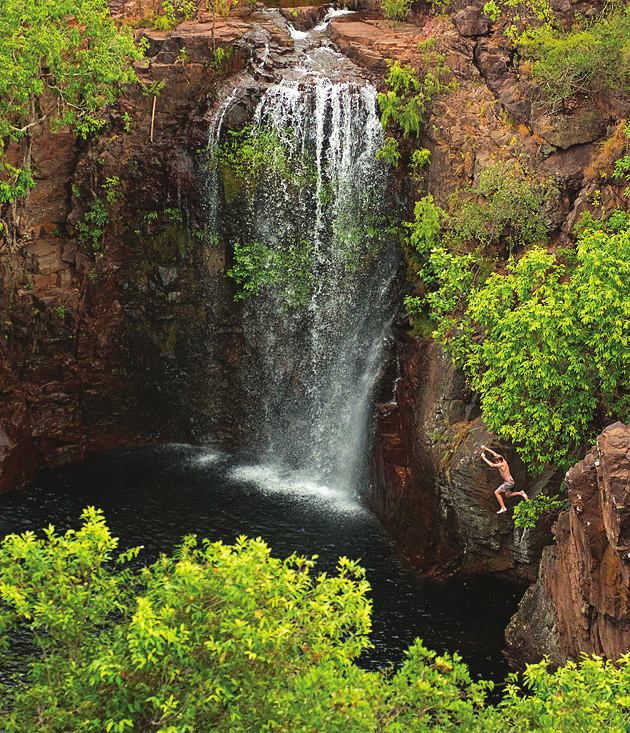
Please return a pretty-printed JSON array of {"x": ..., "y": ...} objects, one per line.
[{"x": 507, "y": 485}]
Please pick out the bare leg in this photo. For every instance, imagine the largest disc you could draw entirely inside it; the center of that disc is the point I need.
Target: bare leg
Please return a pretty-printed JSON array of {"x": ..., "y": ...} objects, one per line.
[
  {"x": 503, "y": 508},
  {"x": 510, "y": 494}
]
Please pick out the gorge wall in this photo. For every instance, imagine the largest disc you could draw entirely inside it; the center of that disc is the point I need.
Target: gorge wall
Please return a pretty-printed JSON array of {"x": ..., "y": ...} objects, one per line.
[
  {"x": 108, "y": 335},
  {"x": 581, "y": 601}
]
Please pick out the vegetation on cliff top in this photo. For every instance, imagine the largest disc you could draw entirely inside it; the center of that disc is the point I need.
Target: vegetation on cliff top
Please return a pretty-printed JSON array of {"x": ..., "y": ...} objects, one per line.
[
  {"x": 229, "y": 638},
  {"x": 545, "y": 341},
  {"x": 61, "y": 62}
]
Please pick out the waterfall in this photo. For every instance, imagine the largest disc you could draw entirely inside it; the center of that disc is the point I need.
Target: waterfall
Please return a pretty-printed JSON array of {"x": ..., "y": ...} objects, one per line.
[{"x": 310, "y": 220}]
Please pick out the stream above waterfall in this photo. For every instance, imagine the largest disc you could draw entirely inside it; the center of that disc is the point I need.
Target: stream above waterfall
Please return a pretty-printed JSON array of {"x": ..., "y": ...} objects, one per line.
[{"x": 153, "y": 496}]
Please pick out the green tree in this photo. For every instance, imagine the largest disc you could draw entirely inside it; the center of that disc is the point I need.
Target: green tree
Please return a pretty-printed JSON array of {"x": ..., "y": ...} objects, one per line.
[
  {"x": 590, "y": 58},
  {"x": 589, "y": 696},
  {"x": 396, "y": 9},
  {"x": 217, "y": 637},
  {"x": 508, "y": 202},
  {"x": 62, "y": 62},
  {"x": 228, "y": 638},
  {"x": 546, "y": 345}
]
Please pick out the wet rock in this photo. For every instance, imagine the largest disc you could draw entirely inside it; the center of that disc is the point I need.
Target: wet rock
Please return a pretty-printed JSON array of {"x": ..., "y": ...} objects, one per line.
[
  {"x": 304, "y": 18},
  {"x": 17, "y": 458},
  {"x": 437, "y": 493},
  {"x": 240, "y": 112},
  {"x": 582, "y": 597}
]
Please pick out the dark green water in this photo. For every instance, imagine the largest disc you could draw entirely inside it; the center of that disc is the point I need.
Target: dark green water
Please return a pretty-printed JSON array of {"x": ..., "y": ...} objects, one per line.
[{"x": 153, "y": 496}]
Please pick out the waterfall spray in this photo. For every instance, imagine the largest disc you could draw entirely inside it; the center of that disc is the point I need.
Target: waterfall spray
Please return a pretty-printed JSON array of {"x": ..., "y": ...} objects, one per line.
[{"x": 306, "y": 210}]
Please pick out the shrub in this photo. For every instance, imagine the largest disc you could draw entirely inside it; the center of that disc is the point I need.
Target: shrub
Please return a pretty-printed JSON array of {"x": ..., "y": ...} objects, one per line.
[
  {"x": 408, "y": 98},
  {"x": 43, "y": 51},
  {"x": 389, "y": 153},
  {"x": 552, "y": 367},
  {"x": 519, "y": 16},
  {"x": 216, "y": 637},
  {"x": 527, "y": 513},
  {"x": 590, "y": 58},
  {"x": 228, "y": 638},
  {"x": 396, "y": 9},
  {"x": 508, "y": 201}
]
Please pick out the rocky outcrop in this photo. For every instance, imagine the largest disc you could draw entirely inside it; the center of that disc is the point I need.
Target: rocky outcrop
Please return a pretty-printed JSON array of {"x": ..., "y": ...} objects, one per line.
[
  {"x": 581, "y": 601},
  {"x": 436, "y": 494}
]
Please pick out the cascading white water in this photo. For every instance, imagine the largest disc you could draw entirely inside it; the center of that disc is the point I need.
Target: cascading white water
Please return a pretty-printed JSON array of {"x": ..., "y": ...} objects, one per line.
[{"x": 317, "y": 324}]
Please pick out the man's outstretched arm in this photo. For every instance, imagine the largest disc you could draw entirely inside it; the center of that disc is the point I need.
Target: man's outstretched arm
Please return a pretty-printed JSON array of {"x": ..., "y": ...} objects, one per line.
[{"x": 487, "y": 460}]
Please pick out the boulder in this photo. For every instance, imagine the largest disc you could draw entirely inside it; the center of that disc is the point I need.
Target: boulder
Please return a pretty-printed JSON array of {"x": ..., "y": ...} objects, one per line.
[
  {"x": 471, "y": 22},
  {"x": 564, "y": 131}
]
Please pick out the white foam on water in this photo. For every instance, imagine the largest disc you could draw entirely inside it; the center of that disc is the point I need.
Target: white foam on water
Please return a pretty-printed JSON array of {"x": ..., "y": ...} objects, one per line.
[
  {"x": 330, "y": 15},
  {"x": 207, "y": 458},
  {"x": 296, "y": 35},
  {"x": 270, "y": 479}
]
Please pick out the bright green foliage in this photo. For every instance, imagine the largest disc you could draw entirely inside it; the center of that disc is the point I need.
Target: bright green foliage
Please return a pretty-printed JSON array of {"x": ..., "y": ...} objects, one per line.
[
  {"x": 425, "y": 230},
  {"x": 588, "y": 59},
  {"x": 70, "y": 50},
  {"x": 91, "y": 228},
  {"x": 519, "y": 15},
  {"x": 508, "y": 201},
  {"x": 221, "y": 61},
  {"x": 210, "y": 639},
  {"x": 617, "y": 222},
  {"x": 622, "y": 166},
  {"x": 287, "y": 270},
  {"x": 228, "y": 638},
  {"x": 408, "y": 98},
  {"x": 553, "y": 363},
  {"x": 221, "y": 638},
  {"x": 591, "y": 696},
  {"x": 15, "y": 182},
  {"x": 389, "y": 153},
  {"x": 527, "y": 513},
  {"x": 420, "y": 159},
  {"x": 457, "y": 277},
  {"x": 396, "y": 9},
  {"x": 405, "y": 101},
  {"x": 174, "y": 12},
  {"x": 247, "y": 157},
  {"x": 430, "y": 692}
]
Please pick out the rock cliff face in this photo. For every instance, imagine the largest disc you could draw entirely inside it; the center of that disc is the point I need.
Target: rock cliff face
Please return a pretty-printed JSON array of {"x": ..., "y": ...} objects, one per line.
[
  {"x": 105, "y": 332},
  {"x": 435, "y": 492},
  {"x": 581, "y": 602}
]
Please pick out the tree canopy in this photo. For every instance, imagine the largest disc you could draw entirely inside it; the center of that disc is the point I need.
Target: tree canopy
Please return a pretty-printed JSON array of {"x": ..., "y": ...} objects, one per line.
[
  {"x": 62, "y": 61},
  {"x": 543, "y": 338},
  {"x": 228, "y": 638}
]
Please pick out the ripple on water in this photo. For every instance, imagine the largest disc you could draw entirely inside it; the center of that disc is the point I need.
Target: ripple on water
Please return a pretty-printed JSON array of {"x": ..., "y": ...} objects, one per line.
[{"x": 153, "y": 496}]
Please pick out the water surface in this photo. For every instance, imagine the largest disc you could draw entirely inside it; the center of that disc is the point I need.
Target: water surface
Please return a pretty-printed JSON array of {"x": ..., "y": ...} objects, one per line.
[{"x": 153, "y": 496}]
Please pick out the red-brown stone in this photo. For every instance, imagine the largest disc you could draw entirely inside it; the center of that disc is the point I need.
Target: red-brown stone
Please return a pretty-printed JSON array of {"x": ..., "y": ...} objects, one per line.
[{"x": 581, "y": 601}]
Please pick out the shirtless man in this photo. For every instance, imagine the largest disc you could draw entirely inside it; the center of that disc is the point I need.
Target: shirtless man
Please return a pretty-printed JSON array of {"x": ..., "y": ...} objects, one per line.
[{"x": 508, "y": 482}]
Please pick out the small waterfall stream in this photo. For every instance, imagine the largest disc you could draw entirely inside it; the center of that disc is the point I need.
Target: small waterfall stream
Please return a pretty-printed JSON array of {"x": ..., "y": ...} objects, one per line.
[{"x": 313, "y": 223}]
